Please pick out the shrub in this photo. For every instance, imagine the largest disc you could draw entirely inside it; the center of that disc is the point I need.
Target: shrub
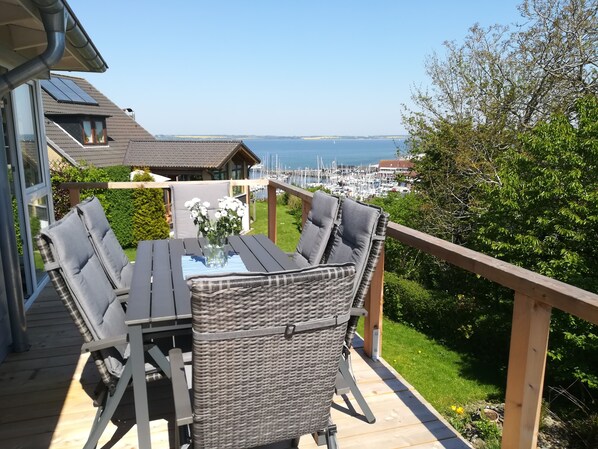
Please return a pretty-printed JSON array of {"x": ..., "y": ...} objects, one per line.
[
  {"x": 149, "y": 215},
  {"x": 392, "y": 303},
  {"x": 118, "y": 206}
]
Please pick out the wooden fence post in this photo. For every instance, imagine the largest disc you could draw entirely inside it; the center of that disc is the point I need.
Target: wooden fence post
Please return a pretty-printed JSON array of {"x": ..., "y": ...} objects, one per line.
[
  {"x": 305, "y": 208},
  {"x": 74, "y": 196},
  {"x": 525, "y": 377},
  {"x": 272, "y": 213},
  {"x": 373, "y": 304}
]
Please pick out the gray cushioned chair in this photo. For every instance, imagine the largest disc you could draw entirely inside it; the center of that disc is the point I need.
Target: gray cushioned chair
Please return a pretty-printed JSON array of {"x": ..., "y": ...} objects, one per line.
[
  {"x": 317, "y": 229},
  {"x": 211, "y": 192},
  {"x": 115, "y": 262},
  {"x": 82, "y": 285},
  {"x": 359, "y": 238},
  {"x": 254, "y": 335}
]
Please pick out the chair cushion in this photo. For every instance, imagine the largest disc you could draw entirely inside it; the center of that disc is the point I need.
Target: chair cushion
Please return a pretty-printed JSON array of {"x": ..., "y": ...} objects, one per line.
[
  {"x": 317, "y": 229},
  {"x": 354, "y": 236},
  {"x": 87, "y": 282},
  {"x": 181, "y": 193},
  {"x": 111, "y": 255}
]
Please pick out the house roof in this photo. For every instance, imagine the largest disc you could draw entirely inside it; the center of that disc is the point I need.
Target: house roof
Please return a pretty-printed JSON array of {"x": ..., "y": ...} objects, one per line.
[
  {"x": 395, "y": 163},
  {"x": 21, "y": 24},
  {"x": 186, "y": 153},
  {"x": 120, "y": 127}
]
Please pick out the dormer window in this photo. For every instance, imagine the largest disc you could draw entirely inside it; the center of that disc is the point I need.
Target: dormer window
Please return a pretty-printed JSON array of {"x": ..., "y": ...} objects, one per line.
[{"x": 94, "y": 131}]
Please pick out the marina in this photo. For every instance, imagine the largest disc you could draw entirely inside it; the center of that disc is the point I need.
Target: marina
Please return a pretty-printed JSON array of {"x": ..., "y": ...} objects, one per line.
[{"x": 316, "y": 164}]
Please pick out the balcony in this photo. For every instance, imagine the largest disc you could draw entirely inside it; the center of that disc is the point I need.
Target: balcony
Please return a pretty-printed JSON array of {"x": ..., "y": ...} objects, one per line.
[{"x": 44, "y": 403}]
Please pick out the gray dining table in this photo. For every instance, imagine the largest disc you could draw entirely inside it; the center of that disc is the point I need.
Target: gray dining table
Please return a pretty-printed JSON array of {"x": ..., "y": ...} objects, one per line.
[{"x": 159, "y": 300}]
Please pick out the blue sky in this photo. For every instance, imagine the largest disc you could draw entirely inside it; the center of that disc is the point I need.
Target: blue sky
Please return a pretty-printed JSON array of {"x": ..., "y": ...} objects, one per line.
[{"x": 305, "y": 67}]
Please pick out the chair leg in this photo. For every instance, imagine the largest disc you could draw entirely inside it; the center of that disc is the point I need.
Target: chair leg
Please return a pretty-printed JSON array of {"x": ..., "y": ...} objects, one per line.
[
  {"x": 348, "y": 378},
  {"x": 331, "y": 437},
  {"x": 105, "y": 412}
]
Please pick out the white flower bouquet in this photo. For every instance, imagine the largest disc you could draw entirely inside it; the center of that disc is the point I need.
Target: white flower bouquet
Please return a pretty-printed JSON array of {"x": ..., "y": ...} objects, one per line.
[{"x": 226, "y": 220}]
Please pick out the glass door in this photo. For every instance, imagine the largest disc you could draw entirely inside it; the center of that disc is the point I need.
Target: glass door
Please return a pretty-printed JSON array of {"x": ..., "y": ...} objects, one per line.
[{"x": 32, "y": 203}]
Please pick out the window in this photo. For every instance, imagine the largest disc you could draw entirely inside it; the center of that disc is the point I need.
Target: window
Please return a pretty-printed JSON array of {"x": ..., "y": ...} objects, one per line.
[{"x": 94, "y": 131}]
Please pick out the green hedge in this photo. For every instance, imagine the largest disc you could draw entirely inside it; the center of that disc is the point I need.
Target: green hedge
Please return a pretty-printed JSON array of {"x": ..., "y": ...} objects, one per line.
[
  {"x": 149, "y": 216},
  {"x": 118, "y": 206}
]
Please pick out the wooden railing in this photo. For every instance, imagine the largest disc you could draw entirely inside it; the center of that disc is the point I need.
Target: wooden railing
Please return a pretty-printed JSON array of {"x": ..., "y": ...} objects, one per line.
[{"x": 534, "y": 297}]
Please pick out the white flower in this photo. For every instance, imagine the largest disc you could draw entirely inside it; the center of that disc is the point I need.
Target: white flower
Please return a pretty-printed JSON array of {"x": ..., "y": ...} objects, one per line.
[
  {"x": 241, "y": 212},
  {"x": 194, "y": 214},
  {"x": 204, "y": 211},
  {"x": 188, "y": 204},
  {"x": 223, "y": 213},
  {"x": 206, "y": 204},
  {"x": 217, "y": 215}
]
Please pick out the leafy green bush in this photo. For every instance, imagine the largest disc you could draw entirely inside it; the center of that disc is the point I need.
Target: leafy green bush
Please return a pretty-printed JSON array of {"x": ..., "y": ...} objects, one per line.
[
  {"x": 392, "y": 303},
  {"x": 119, "y": 202},
  {"x": 149, "y": 215}
]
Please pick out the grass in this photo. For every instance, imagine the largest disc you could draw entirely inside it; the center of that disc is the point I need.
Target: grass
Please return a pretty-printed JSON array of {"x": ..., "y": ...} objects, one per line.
[
  {"x": 444, "y": 377},
  {"x": 131, "y": 253},
  {"x": 287, "y": 232}
]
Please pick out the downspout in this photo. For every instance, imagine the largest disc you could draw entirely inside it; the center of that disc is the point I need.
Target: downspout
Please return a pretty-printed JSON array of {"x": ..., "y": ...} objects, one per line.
[{"x": 53, "y": 15}]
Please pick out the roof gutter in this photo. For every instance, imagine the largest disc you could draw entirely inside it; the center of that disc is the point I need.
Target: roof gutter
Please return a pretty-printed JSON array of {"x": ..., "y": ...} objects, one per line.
[{"x": 54, "y": 18}]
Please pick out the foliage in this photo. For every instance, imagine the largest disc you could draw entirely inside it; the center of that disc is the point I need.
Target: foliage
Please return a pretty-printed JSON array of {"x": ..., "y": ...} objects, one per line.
[
  {"x": 544, "y": 216},
  {"x": 61, "y": 171},
  {"x": 149, "y": 214},
  {"x": 499, "y": 82},
  {"x": 407, "y": 211},
  {"x": 118, "y": 206}
]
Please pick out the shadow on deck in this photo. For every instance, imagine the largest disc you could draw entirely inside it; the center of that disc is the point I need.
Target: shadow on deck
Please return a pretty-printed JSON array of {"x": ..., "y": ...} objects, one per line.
[{"x": 45, "y": 398}]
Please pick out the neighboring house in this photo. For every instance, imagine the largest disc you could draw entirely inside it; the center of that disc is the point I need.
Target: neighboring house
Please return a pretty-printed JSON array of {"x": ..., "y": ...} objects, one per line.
[
  {"x": 192, "y": 160},
  {"x": 389, "y": 169},
  {"x": 82, "y": 124},
  {"x": 31, "y": 37}
]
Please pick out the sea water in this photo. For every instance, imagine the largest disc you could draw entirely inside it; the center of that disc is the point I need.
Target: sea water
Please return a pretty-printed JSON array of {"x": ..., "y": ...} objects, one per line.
[{"x": 301, "y": 153}]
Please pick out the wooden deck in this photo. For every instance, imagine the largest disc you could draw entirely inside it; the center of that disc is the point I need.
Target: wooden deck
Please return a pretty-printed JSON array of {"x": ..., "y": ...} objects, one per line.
[{"x": 45, "y": 402}]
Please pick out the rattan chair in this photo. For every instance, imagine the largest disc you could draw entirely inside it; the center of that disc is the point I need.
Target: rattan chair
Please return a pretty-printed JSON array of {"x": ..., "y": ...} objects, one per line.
[
  {"x": 82, "y": 285},
  {"x": 317, "y": 229},
  {"x": 359, "y": 239},
  {"x": 115, "y": 262},
  {"x": 265, "y": 356}
]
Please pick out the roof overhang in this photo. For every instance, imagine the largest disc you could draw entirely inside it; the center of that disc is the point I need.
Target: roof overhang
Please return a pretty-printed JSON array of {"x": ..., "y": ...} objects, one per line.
[{"x": 22, "y": 38}]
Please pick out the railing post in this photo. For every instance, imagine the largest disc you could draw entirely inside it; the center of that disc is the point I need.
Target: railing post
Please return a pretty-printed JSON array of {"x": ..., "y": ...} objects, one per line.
[
  {"x": 525, "y": 377},
  {"x": 74, "y": 196},
  {"x": 272, "y": 213},
  {"x": 305, "y": 208},
  {"x": 372, "y": 344}
]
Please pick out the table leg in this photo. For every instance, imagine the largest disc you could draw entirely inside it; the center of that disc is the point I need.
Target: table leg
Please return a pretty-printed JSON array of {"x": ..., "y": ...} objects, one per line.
[{"x": 139, "y": 386}]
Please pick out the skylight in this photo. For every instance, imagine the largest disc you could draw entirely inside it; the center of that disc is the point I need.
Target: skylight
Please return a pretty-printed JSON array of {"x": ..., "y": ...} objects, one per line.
[{"x": 67, "y": 91}]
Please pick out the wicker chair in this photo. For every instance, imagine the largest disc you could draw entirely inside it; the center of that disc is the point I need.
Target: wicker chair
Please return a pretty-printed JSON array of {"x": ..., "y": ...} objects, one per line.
[
  {"x": 86, "y": 292},
  {"x": 116, "y": 264},
  {"x": 255, "y": 335},
  {"x": 317, "y": 230},
  {"x": 359, "y": 239}
]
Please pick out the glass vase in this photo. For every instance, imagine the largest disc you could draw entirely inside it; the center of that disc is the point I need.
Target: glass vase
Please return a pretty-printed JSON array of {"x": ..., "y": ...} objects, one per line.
[{"x": 214, "y": 252}]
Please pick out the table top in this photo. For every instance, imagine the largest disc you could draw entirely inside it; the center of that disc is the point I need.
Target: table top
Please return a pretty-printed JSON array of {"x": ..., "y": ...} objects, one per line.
[{"x": 159, "y": 294}]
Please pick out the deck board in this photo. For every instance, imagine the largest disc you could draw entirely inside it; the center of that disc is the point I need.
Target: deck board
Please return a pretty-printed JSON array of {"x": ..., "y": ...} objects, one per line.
[{"x": 44, "y": 403}]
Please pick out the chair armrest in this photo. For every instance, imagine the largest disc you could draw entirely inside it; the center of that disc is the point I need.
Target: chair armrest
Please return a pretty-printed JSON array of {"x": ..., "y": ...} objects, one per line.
[
  {"x": 180, "y": 389},
  {"x": 105, "y": 343},
  {"x": 358, "y": 311}
]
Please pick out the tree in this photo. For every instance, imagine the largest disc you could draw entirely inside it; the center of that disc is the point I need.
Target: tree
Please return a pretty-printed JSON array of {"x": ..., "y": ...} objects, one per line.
[
  {"x": 544, "y": 216},
  {"x": 500, "y": 82}
]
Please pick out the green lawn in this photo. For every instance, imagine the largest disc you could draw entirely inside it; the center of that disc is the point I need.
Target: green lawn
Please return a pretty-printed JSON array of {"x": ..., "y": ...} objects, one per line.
[
  {"x": 287, "y": 233},
  {"x": 444, "y": 377}
]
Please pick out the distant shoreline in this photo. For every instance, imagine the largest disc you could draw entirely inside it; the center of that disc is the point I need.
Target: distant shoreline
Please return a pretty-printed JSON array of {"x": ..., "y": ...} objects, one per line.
[{"x": 267, "y": 137}]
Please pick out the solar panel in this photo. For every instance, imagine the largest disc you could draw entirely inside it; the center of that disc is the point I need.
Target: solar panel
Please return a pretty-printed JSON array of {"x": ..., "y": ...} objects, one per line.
[{"x": 67, "y": 91}]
